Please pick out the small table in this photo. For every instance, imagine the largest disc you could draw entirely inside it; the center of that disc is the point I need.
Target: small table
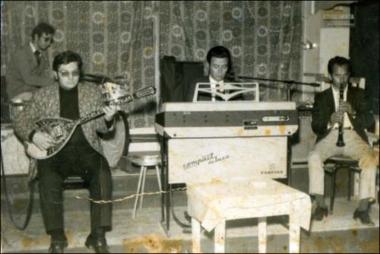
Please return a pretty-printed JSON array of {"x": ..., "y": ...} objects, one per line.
[{"x": 211, "y": 204}]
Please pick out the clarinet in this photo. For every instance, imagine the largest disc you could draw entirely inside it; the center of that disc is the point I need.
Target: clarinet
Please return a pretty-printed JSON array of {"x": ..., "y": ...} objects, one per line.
[{"x": 340, "y": 141}]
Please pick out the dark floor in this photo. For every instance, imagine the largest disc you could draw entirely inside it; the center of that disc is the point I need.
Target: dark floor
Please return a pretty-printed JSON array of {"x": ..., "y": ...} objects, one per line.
[
  {"x": 338, "y": 233},
  {"x": 360, "y": 241}
]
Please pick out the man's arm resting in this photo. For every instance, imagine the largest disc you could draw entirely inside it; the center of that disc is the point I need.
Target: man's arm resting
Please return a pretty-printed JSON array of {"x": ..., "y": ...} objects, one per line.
[
  {"x": 31, "y": 77},
  {"x": 320, "y": 119},
  {"x": 24, "y": 123}
]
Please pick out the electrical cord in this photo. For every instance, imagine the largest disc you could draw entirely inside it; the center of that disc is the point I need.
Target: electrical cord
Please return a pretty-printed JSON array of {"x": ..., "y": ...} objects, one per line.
[
  {"x": 184, "y": 225},
  {"x": 31, "y": 186}
]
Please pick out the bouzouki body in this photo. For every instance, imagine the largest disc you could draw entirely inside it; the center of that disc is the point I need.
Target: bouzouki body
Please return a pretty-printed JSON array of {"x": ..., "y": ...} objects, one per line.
[{"x": 61, "y": 129}]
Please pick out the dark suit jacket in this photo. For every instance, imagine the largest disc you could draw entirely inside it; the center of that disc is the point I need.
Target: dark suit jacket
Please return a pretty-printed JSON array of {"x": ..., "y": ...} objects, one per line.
[
  {"x": 189, "y": 91},
  {"x": 324, "y": 107},
  {"x": 24, "y": 75}
]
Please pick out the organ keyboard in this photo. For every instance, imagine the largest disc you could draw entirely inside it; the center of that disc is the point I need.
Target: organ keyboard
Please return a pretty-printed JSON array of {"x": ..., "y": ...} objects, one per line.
[{"x": 227, "y": 119}]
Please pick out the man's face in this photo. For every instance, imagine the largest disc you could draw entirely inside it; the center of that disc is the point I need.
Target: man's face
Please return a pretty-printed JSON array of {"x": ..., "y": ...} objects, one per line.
[
  {"x": 339, "y": 76},
  {"x": 43, "y": 43},
  {"x": 218, "y": 68},
  {"x": 68, "y": 75}
]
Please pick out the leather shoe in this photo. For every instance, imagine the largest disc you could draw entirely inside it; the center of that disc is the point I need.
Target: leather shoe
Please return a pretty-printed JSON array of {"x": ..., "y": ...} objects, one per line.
[
  {"x": 319, "y": 213},
  {"x": 57, "y": 246},
  {"x": 363, "y": 216},
  {"x": 99, "y": 244}
]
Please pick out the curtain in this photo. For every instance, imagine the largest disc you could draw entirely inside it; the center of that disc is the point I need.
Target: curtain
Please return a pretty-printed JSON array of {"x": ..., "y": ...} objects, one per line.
[{"x": 116, "y": 38}]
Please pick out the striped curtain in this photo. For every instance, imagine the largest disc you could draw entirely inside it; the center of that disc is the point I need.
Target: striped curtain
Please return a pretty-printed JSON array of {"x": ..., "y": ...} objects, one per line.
[{"x": 116, "y": 38}]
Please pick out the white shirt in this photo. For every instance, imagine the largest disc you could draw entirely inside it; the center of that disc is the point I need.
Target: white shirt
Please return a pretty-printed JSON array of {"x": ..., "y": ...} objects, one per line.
[
  {"x": 346, "y": 120},
  {"x": 32, "y": 47},
  {"x": 213, "y": 83},
  {"x": 213, "y": 87}
]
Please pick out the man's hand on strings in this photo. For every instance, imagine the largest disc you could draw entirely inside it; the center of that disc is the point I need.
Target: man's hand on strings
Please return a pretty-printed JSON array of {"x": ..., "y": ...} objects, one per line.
[
  {"x": 43, "y": 140},
  {"x": 110, "y": 112}
]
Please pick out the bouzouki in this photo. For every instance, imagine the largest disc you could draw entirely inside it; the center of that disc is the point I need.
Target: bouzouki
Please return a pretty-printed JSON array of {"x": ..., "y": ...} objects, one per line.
[{"x": 61, "y": 129}]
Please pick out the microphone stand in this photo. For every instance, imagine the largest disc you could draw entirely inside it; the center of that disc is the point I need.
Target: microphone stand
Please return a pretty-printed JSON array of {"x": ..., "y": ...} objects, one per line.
[{"x": 288, "y": 82}]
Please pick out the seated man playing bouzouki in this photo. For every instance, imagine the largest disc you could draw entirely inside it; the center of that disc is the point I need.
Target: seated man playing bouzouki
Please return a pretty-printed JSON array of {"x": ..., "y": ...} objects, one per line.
[{"x": 82, "y": 155}]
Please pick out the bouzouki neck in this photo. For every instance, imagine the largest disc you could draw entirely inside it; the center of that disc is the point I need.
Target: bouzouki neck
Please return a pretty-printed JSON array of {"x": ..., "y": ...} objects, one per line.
[{"x": 89, "y": 116}]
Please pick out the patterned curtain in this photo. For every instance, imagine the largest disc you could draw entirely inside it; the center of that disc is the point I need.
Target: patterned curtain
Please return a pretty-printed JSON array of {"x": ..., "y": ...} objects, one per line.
[{"x": 116, "y": 38}]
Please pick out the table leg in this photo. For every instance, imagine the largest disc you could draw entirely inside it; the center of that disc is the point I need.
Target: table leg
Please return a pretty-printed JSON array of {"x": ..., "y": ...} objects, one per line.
[
  {"x": 294, "y": 235},
  {"x": 196, "y": 235},
  {"x": 220, "y": 236},
  {"x": 262, "y": 234},
  {"x": 356, "y": 185}
]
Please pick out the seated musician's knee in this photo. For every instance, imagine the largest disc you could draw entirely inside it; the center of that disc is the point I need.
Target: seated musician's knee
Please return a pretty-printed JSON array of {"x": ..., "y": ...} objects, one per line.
[
  {"x": 370, "y": 160},
  {"x": 314, "y": 158}
]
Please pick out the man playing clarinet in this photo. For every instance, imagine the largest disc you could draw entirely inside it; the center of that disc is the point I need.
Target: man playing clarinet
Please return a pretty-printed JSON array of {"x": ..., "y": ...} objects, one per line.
[{"x": 341, "y": 115}]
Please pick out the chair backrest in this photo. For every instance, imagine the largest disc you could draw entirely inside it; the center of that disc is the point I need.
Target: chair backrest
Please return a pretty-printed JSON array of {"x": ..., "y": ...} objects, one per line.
[{"x": 176, "y": 77}]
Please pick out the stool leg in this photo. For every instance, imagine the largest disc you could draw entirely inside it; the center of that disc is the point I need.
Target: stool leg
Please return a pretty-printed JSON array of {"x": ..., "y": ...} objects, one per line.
[
  {"x": 138, "y": 192},
  {"x": 377, "y": 185},
  {"x": 220, "y": 236},
  {"x": 158, "y": 177},
  {"x": 356, "y": 185},
  {"x": 143, "y": 186},
  {"x": 294, "y": 234},
  {"x": 196, "y": 235},
  {"x": 349, "y": 183},
  {"x": 262, "y": 234},
  {"x": 332, "y": 197}
]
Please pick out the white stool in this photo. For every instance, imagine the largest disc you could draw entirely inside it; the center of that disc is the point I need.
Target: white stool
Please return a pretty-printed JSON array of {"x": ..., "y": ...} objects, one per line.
[
  {"x": 145, "y": 160},
  {"x": 211, "y": 204}
]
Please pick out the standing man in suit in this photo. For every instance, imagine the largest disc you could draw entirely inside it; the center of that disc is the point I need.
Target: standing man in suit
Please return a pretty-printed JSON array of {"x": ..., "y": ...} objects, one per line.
[
  {"x": 29, "y": 67},
  {"x": 218, "y": 65},
  {"x": 350, "y": 108}
]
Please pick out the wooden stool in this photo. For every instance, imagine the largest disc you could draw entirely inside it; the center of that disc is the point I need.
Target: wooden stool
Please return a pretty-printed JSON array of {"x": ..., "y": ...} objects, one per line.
[
  {"x": 332, "y": 165},
  {"x": 145, "y": 160}
]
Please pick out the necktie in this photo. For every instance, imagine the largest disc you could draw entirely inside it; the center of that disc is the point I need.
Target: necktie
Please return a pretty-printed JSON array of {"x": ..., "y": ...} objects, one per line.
[
  {"x": 220, "y": 87},
  {"x": 37, "y": 53}
]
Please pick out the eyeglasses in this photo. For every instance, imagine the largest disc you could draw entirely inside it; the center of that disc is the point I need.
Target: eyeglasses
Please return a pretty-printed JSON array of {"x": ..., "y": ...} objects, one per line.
[
  {"x": 66, "y": 74},
  {"x": 48, "y": 39}
]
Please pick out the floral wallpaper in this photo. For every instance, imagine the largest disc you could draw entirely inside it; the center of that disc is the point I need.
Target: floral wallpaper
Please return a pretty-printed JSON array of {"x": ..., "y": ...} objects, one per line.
[{"x": 116, "y": 38}]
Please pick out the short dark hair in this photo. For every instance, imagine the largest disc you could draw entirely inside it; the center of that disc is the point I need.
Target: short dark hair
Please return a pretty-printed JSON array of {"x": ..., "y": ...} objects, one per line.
[
  {"x": 220, "y": 52},
  {"x": 340, "y": 61},
  {"x": 67, "y": 57},
  {"x": 43, "y": 28}
]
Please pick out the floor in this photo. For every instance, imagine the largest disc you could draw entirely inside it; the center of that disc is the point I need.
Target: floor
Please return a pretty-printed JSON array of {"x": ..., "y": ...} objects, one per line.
[{"x": 337, "y": 233}]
